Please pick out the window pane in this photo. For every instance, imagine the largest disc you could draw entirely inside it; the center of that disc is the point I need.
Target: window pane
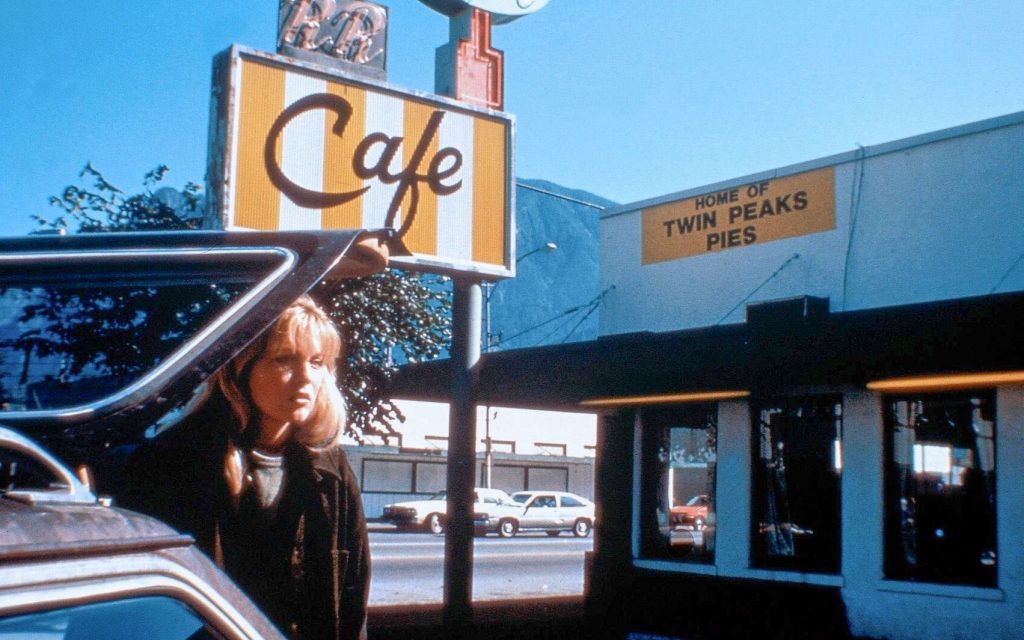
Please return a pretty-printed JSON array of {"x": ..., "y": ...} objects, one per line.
[
  {"x": 387, "y": 476},
  {"x": 430, "y": 477},
  {"x": 153, "y": 618},
  {"x": 507, "y": 478},
  {"x": 543, "y": 478},
  {"x": 677, "y": 505},
  {"x": 940, "y": 489},
  {"x": 796, "y": 484}
]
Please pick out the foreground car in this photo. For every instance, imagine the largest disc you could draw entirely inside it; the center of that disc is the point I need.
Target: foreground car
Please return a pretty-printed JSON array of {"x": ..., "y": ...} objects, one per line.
[
  {"x": 550, "y": 511},
  {"x": 102, "y": 337},
  {"x": 429, "y": 514},
  {"x": 76, "y": 567}
]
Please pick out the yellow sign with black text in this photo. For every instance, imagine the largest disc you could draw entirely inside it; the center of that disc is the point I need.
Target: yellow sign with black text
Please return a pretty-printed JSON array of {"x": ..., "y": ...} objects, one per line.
[{"x": 741, "y": 216}]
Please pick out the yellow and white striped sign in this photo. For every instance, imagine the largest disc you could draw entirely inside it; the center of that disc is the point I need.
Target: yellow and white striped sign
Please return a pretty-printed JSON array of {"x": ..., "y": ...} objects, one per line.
[{"x": 310, "y": 149}]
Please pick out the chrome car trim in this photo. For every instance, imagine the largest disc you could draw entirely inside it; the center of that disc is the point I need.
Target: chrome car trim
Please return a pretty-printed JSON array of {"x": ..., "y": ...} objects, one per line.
[
  {"x": 67, "y": 488},
  {"x": 83, "y": 412}
]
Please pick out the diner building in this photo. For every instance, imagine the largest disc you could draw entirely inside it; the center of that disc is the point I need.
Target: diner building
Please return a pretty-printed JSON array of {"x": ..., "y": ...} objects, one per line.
[{"x": 810, "y": 384}]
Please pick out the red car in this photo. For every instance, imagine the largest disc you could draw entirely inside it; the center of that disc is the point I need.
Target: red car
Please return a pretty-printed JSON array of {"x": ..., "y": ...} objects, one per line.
[{"x": 692, "y": 515}]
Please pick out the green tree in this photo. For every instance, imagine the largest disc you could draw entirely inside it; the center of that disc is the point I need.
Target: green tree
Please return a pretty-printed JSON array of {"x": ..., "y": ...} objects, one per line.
[{"x": 387, "y": 318}]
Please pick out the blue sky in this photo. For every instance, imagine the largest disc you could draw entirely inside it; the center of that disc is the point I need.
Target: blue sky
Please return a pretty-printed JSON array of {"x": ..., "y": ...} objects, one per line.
[{"x": 628, "y": 100}]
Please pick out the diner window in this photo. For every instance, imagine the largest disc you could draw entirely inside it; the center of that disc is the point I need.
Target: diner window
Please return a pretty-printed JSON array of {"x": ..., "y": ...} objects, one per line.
[
  {"x": 940, "y": 497},
  {"x": 678, "y": 475},
  {"x": 795, "y": 484}
]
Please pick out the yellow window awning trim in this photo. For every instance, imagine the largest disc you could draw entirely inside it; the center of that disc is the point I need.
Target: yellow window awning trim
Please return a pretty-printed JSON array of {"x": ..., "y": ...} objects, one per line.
[
  {"x": 666, "y": 398},
  {"x": 948, "y": 382}
]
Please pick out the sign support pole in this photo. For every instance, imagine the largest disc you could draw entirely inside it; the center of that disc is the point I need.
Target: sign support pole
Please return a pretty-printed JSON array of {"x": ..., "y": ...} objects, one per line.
[
  {"x": 458, "y": 546},
  {"x": 469, "y": 71}
]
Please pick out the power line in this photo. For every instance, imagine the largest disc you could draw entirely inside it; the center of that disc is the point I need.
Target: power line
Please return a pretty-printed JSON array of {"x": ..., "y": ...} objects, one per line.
[
  {"x": 758, "y": 287},
  {"x": 855, "y": 191},
  {"x": 593, "y": 308},
  {"x": 588, "y": 307},
  {"x": 1007, "y": 274},
  {"x": 548, "y": 321},
  {"x": 586, "y": 315}
]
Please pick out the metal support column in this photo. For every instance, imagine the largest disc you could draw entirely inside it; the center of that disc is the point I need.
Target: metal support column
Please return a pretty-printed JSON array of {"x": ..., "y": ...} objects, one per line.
[{"x": 458, "y": 557}]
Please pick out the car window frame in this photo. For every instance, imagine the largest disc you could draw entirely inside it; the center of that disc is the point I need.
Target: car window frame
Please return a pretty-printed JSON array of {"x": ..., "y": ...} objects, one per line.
[{"x": 306, "y": 257}]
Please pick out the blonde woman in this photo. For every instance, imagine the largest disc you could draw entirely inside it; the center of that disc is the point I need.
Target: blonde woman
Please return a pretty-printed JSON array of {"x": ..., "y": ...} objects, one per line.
[{"x": 257, "y": 476}]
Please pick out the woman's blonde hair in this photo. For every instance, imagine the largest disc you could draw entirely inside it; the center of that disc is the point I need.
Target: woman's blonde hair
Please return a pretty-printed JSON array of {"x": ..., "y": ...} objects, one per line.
[{"x": 300, "y": 323}]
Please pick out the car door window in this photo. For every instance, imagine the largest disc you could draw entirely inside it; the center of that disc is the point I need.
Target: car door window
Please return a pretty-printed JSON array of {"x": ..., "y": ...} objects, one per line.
[
  {"x": 152, "y": 618},
  {"x": 73, "y": 333}
]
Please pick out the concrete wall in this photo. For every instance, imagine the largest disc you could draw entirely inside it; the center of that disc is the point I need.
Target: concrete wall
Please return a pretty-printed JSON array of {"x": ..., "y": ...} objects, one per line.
[{"x": 933, "y": 217}]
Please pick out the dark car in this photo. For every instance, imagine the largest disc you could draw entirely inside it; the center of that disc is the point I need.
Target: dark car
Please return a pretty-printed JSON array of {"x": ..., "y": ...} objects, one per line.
[{"x": 102, "y": 337}]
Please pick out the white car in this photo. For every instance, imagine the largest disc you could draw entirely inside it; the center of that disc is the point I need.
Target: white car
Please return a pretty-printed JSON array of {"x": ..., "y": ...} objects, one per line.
[
  {"x": 550, "y": 511},
  {"x": 430, "y": 514}
]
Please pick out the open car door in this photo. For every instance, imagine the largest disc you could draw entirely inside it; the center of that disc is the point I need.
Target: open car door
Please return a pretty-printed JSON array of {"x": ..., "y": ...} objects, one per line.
[{"x": 111, "y": 329}]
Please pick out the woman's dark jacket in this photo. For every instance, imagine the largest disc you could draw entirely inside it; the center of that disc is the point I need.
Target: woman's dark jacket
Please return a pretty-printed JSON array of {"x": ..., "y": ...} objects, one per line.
[{"x": 308, "y": 567}]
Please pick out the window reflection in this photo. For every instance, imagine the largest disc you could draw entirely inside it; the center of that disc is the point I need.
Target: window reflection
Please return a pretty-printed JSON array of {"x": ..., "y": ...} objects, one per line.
[
  {"x": 64, "y": 345},
  {"x": 680, "y": 445},
  {"x": 153, "y": 618},
  {"x": 796, "y": 474},
  {"x": 940, "y": 488}
]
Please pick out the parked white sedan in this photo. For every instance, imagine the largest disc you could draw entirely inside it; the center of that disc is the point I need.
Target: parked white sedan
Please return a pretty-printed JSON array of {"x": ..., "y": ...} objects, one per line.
[
  {"x": 550, "y": 511},
  {"x": 430, "y": 514}
]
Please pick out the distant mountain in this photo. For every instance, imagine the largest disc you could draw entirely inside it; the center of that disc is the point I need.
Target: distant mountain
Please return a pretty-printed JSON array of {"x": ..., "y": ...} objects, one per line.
[{"x": 554, "y": 297}]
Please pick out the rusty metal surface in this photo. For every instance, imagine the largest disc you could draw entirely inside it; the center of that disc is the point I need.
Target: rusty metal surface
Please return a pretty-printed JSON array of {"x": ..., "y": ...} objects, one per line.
[
  {"x": 40, "y": 531},
  {"x": 129, "y": 571},
  {"x": 96, "y": 552},
  {"x": 347, "y": 34}
]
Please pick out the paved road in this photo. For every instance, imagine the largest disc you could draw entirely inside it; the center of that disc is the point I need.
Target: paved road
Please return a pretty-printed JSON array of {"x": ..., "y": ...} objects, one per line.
[{"x": 409, "y": 567}]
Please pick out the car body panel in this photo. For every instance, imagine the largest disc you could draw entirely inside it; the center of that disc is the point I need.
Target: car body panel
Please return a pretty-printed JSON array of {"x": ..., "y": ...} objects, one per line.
[
  {"x": 417, "y": 513},
  {"x": 549, "y": 511},
  {"x": 61, "y": 549},
  {"x": 693, "y": 514}
]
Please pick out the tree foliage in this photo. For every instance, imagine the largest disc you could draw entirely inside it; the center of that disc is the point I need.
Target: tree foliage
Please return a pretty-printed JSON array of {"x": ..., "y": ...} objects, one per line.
[
  {"x": 100, "y": 206},
  {"x": 387, "y": 318}
]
